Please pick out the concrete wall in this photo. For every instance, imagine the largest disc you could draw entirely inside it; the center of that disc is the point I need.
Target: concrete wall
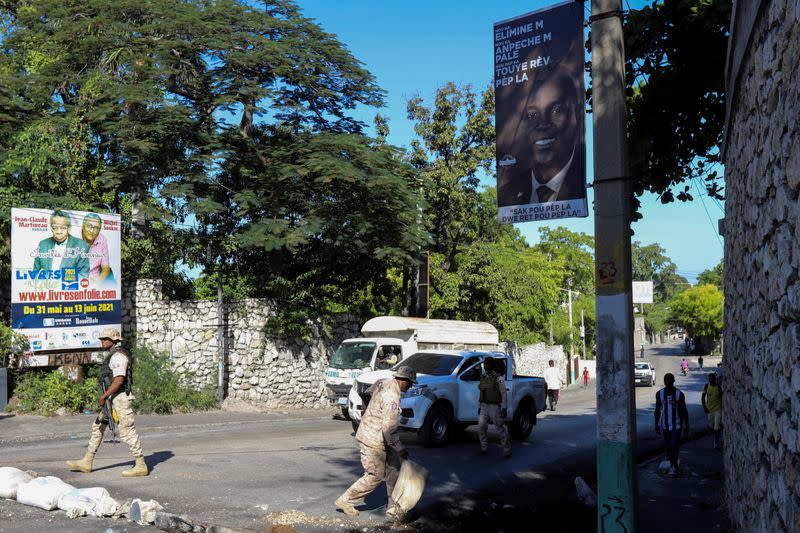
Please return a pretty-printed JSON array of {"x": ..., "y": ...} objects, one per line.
[{"x": 762, "y": 257}]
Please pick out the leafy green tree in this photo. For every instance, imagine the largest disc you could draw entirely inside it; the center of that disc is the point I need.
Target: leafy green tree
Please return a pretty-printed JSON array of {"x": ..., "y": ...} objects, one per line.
[
  {"x": 676, "y": 96},
  {"x": 712, "y": 276},
  {"x": 514, "y": 289},
  {"x": 699, "y": 310},
  {"x": 649, "y": 263},
  {"x": 221, "y": 130},
  {"x": 575, "y": 251}
]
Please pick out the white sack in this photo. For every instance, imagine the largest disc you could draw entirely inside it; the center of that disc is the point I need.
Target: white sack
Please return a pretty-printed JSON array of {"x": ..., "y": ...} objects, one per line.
[
  {"x": 144, "y": 512},
  {"x": 42, "y": 492},
  {"x": 10, "y": 478},
  {"x": 94, "y": 501},
  {"x": 410, "y": 485}
]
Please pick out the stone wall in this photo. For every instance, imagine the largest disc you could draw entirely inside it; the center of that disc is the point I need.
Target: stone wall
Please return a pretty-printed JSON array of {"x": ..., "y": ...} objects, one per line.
[
  {"x": 261, "y": 368},
  {"x": 531, "y": 360},
  {"x": 762, "y": 257}
]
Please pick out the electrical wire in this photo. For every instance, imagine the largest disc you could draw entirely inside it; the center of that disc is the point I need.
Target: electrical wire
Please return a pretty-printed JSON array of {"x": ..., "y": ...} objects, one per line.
[{"x": 703, "y": 203}]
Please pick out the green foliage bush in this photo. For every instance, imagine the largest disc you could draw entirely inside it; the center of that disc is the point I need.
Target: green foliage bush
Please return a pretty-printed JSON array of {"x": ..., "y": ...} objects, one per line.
[
  {"x": 45, "y": 392},
  {"x": 159, "y": 390}
]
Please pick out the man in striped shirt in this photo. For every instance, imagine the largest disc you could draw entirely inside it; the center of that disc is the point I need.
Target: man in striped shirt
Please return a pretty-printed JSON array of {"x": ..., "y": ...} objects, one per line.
[{"x": 671, "y": 418}]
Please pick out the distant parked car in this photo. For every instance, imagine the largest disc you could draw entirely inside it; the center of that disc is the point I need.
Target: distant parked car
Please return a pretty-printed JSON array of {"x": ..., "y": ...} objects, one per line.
[{"x": 644, "y": 374}]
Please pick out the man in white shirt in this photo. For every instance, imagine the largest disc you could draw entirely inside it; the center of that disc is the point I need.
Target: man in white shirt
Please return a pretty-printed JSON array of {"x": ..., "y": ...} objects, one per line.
[{"x": 552, "y": 377}]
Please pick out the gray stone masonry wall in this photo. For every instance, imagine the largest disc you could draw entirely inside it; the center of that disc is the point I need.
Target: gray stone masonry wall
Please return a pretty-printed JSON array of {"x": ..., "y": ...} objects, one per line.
[
  {"x": 762, "y": 292},
  {"x": 531, "y": 360},
  {"x": 261, "y": 368}
]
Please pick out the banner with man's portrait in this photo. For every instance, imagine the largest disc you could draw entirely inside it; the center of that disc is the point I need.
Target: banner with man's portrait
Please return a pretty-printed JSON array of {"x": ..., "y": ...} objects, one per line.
[
  {"x": 65, "y": 277},
  {"x": 539, "y": 116}
]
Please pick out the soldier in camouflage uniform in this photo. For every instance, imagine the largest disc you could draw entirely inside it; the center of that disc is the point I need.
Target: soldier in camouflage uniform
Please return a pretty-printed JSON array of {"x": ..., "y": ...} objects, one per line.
[
  {"x": 116, "y": 371},
  {"x": 379, "y": 440},
  {"x": 493, "y": 407}
]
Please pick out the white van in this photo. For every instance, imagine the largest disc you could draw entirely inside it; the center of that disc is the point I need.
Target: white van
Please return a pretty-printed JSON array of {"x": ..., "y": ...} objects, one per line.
[{"x": 388, "y": 340}]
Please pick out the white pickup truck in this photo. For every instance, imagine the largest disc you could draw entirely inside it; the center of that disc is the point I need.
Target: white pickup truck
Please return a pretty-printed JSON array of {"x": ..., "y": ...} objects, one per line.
[
  {"x": 644, "y": 373},
  {"x": 388, "y": 340},
  {"x": 445, "y": 399}
]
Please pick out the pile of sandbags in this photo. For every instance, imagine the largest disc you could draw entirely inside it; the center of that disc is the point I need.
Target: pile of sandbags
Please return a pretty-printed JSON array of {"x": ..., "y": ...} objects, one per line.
[
  {"x": 94, "y": 501},
  {"x": 42, "y": 492},
  {"x": 51, "y": 493},
  {"x": 10, "y": 478}
]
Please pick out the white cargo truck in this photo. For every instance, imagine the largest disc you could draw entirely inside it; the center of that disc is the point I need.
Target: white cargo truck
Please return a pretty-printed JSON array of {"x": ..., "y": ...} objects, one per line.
[{"x": 387, "y": 340}]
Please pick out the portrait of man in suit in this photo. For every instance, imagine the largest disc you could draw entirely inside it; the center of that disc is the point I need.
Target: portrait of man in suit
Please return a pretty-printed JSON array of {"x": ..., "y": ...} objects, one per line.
[
  {"x": 551, "y": 123},
  {"x": 62, "y": 250}
]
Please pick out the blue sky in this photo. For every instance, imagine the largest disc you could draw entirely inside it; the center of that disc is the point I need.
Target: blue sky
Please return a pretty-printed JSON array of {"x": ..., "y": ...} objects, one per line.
[{"x": 413, "y": 47}]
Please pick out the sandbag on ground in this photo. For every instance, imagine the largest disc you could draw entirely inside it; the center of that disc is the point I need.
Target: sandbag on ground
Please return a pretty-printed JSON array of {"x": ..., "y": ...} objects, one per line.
[
  {"x": 410, "y": 485},
  {"x": 94, "y": 501},
  {"x": 10, "y": 478},
  {"x": 42, "y": 492}
]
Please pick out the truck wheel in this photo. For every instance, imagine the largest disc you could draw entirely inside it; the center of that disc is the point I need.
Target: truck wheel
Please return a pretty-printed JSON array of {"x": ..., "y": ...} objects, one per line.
[
  {"x": 345, "y": 413},
  {"x": 436, "y": 429},
  {"x": 522, "y": 424}
]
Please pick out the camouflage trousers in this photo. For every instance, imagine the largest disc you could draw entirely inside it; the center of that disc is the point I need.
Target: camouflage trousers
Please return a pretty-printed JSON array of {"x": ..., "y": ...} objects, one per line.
[
  {"x": 123, "y": 405},
  {"x": 379, "y": 464},
  {"x": 490, "y": 413}
]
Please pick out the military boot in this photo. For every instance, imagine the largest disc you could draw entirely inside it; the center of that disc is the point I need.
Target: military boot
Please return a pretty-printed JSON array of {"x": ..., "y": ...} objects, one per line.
[
  {"x": 346, "y": 507},
  {"x": 139, "y": 469},
  {"x": 82, "y": 465}
]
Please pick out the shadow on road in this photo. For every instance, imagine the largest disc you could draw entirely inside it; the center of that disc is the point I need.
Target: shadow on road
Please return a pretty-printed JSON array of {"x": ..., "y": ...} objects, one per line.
[{"x": 152, "y": 460}]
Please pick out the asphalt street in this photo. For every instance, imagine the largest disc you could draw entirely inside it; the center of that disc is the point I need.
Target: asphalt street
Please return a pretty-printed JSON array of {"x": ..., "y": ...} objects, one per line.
[{"x": 249, "y": 471}]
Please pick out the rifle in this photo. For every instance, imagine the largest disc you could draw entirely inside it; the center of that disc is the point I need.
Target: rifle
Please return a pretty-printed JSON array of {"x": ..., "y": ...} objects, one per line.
[{"x": 108, "y": 410}]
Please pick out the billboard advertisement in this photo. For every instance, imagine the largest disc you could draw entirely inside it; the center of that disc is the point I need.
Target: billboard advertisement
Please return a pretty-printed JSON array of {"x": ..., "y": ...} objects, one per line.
[
  {"x": 539, "y": 115},
  {"x": 65, "y": 277}
]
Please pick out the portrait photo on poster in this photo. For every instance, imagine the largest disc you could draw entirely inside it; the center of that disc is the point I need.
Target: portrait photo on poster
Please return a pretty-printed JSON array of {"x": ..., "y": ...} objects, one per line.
[{"x": 540, "y": 117}]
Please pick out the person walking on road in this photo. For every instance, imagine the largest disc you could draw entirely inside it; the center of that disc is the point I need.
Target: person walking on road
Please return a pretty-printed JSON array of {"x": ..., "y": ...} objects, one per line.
[
  {"x": 700, "y": 362},
  {"x": 117, "y": 375},
  {"x": 552, "y": 377},
  {"x": 712, "y": 404},
  {"x": 585, "y": 377},
  {"x": 672, "y": 419},
  {"x": 493, "y": 406},
  {"x": 379, "y": 441}
]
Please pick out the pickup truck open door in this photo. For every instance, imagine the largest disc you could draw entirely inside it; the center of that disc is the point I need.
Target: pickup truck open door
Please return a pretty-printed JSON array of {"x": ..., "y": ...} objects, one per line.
[{"x": 468, "y": 393}]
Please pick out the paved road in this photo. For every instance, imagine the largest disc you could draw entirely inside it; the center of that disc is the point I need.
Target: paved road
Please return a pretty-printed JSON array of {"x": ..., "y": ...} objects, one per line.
[{"x": 250, "y": 470}]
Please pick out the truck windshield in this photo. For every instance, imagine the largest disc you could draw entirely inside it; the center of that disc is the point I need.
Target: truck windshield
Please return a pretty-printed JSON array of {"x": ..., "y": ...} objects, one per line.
[
  {"x": 432, "y": 364},
  {"x": 353, "y": 355},
  {"x": 642, "y": 366}
]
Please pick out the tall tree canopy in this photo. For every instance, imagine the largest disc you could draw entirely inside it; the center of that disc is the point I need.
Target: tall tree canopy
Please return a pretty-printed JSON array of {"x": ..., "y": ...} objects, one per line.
[
  {"x": 713, "y": 276},
  {"x": 675, "y": 52},
  {"x": 650, "y": 263},
  {"x": 227, "y": 116},
  {"x": 699, "y": 310}
]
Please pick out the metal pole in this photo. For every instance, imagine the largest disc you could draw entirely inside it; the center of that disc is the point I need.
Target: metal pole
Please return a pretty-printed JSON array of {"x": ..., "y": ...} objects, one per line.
[
  {"x": 583, "y": 335},
  {"x": 569, "y": 298},
  {"x": 617, "y": 509},
  {"x": 571, "y": 343},
  {"x": 220, "y": 338}
]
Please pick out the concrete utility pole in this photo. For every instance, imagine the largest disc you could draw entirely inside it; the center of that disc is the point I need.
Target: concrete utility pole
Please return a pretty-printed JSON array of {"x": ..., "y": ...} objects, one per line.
[
  {"x": 617, "y": 509},
  {"x": 583, "y": 336}
]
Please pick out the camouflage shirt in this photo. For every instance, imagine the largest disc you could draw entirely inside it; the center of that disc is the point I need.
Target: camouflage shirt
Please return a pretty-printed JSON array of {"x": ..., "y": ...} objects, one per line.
[{"x": 379, "y": 422}]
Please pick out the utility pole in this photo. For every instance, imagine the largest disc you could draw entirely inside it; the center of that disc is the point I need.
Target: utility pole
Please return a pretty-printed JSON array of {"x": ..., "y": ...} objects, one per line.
[
  {"x": 617, "y": 507},
  {"x": 571, "y": 343},
  {"x": 583, "y": 336}
]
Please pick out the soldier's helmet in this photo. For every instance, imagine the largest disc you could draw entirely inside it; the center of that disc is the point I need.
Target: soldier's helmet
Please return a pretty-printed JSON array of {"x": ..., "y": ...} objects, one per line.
[
  {"x": 110, "y": 334},
  {"x": 406, "y": 372}
]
